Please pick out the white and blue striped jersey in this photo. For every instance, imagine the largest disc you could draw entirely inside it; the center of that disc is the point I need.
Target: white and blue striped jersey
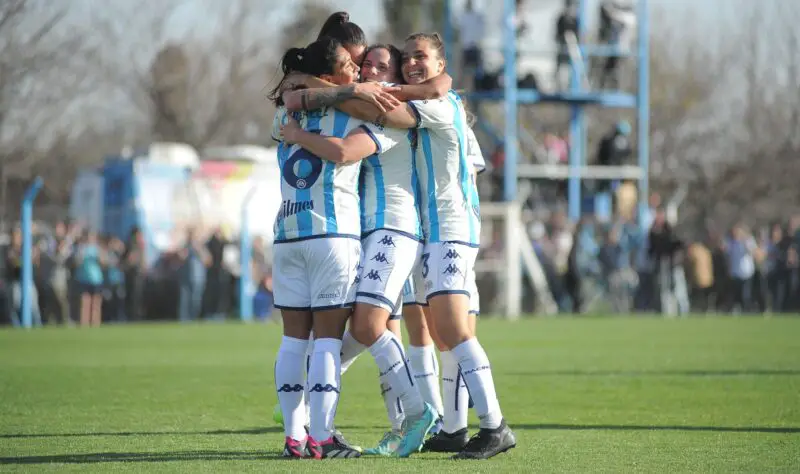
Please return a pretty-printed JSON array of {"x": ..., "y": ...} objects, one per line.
[
  {"x": 389, "y": 186},
  {"x": 450, "y": 207},
  {"x": 318, "y": 198}
]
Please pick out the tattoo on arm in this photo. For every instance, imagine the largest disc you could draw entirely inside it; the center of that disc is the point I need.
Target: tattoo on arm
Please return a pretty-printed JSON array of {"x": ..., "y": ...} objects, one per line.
[
  {"x": 381, "y": 120},
  {"x": 311, "y": 99}
]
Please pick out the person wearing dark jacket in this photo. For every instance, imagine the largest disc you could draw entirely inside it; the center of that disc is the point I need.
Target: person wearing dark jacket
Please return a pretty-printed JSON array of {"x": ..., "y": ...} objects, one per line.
[{"x": 663, "y": 251}]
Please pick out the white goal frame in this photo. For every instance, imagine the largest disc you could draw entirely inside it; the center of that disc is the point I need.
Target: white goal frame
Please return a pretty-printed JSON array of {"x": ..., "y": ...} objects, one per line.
[{"x": 518, "y": 256}]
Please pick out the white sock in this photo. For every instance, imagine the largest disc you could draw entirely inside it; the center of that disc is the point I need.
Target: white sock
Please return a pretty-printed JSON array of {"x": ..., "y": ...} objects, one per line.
[
  {"x": 323, "y": 380},
  {"x": 289, "y": 378},
  {"x": 391, "y": 360},
  {"x": 425, "y": 369},
  {"x": 455, "y": 394},
  {"x": 477, "y": 373},
  {"x": 351, "y": 349},
  {"x": 394, "y": 407}
]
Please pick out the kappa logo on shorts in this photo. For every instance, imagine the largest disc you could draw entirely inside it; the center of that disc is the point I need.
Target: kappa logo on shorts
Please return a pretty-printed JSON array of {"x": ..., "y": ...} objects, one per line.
[
  {"x": 452, "y": 270},
  {"x": 451, "y": 254},
  {"x": 380, "y": 257},
  {"x": 374, "y": 276},
  {"x": 387, "y": 241}
]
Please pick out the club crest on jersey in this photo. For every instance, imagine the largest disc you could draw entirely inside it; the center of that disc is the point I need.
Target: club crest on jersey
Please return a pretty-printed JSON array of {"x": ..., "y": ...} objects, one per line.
[
  {"x": 290, "y": 208},
  {"x": 387, "y": 241},
  {"x": 380, "y": 257},
  {"x": 452, "y": 270}
]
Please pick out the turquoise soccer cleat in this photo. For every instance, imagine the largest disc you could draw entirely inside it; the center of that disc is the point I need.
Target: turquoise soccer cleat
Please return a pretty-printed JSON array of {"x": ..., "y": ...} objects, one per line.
[
  {"x": 387, "y": 445},
  {"x": 415, "y": 429}
]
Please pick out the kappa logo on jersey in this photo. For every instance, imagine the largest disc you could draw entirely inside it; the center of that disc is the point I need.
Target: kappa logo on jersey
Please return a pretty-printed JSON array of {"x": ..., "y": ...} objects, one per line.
[
  {"x": 387, "y": 241},
  {"x": 290, "y": 208},
  {"x": 452, "y": 270},
  {"x": 374, "y": 276},
  {"x": 451, "y": 254},
  {"x": 380, "y": 257}
]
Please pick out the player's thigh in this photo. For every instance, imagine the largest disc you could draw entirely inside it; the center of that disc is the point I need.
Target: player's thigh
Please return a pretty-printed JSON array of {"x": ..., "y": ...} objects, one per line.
[
  {"x": 291, "y": 289},
  {"x": 332, "y": 265},
  {"x": 388, "y": 260},
  {"x": 447, "y": 269}
]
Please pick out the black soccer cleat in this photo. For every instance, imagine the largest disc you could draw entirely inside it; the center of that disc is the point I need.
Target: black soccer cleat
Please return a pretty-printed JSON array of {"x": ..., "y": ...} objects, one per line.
[
  {"x": 332, "y": 448},
  {"x": 487, "y": 443},
  {"x": 444, "y": 442}
]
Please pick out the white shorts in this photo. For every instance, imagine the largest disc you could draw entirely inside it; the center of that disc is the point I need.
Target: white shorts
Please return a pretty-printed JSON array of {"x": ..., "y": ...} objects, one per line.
[
  {"x": 315, "y": 274},
  {"x": 387, "y": 260},
  {"x": 446, "y": 268}
]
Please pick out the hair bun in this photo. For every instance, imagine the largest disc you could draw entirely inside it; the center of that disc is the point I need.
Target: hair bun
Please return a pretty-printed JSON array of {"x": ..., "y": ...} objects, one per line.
[{"x": 340, "y": 17}]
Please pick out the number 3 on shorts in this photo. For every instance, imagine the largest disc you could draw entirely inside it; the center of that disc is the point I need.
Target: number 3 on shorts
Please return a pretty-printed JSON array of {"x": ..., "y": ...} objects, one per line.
[
  {"x": 425, "y": 268},
  {"x": 302, "y": 169}
]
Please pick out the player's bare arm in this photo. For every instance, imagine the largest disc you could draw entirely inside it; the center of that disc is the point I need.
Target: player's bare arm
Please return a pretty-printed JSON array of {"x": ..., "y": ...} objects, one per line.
[
  {"x": 353, "y": 148},
  {"x": 316, "y": 98},
  {"x": 435, "y": 88}
]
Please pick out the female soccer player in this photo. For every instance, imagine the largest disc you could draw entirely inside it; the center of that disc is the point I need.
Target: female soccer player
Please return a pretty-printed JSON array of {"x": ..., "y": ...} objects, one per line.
[
  {"x": 451, "y": 225},
  {"x": 391, "y": 227},
  {"x": 316, "y": 257},
  {"x": 391, "y": 241}
]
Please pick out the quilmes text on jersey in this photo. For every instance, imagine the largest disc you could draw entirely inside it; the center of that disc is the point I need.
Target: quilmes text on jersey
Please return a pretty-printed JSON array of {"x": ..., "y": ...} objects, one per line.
[{"x": 290, "y": 208}]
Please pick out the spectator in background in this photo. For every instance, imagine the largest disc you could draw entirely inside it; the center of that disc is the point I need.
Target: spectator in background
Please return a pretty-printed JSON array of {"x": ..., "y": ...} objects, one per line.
[
  {"x": 776, "y": 268},
  {"x": 114, "y": 293},
  {"x": 556, "y": 148},
  {"x": 134, "y": 267},
  {"x": 614, "y": 150},
  {"x": 219, "y": 282},
  {"x": 14, "y": 278},
  {"x": 664, "y": 248},
  {"x": 44, "y": 266},
  {"x": 740, "y": 248},
  {"x": 699, "y": 264},
  {"x": 89, "y": 261},
  {"x": 61, "y": 272},
  {"x": 567, "y": 24},
  {"x": 473, "y": 29},
  {"x": 615, "y": 266},
  {"x": 192, "y": 274},
  {"x": 617, "y": 25}
]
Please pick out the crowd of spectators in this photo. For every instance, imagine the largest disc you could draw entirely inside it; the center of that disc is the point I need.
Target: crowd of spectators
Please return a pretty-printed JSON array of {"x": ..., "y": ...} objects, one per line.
[
  {"x": 621, "y": 267},
  {"x": 84, "y": 278}
]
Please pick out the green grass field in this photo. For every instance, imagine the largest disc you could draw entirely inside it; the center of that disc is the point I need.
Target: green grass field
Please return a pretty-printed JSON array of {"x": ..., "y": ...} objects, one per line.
[{"x": 583, "y": 395}]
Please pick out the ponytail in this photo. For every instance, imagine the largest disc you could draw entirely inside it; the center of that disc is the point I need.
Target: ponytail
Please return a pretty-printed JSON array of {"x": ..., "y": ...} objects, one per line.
[
  {"x": 316, "y": 59},
  {"x": 339, "y": 27}
]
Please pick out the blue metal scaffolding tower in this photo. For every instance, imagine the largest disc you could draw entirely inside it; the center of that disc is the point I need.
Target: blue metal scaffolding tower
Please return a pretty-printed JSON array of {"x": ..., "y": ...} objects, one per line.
[{"x": 576, "y": 97}]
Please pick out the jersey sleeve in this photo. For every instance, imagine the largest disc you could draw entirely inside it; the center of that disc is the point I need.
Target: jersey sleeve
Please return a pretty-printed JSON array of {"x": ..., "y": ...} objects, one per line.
[
  {"x": 474, "y": 154},
  {"x": 433, "y": 114},
  {"x": 277, "y": 123},
  {"x": 385, "y": 138}
]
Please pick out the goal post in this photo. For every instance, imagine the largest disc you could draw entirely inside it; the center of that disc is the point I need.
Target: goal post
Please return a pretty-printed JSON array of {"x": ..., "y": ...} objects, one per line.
[{"x": 502, "y": 267}]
